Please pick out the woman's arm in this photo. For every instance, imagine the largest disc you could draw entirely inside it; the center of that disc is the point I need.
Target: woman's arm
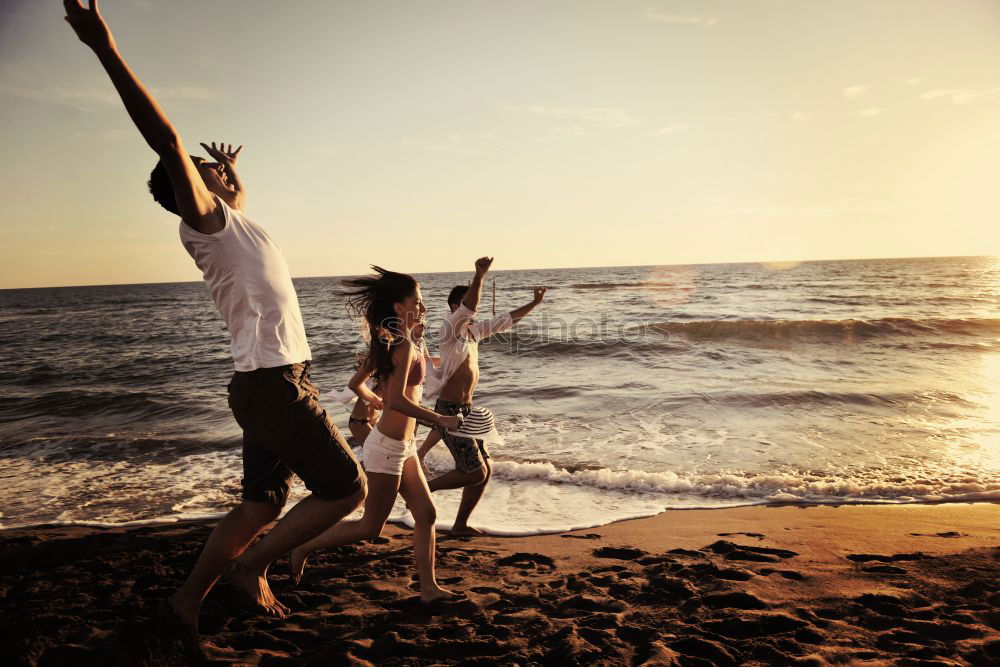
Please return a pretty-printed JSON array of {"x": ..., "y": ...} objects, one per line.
[{"x": 358, "y": 386}]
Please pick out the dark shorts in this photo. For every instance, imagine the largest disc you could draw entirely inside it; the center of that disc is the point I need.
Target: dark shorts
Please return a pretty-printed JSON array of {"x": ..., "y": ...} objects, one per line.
[
  {"x": 470, "y": 455},
  {"x": 285, "y": 431}
]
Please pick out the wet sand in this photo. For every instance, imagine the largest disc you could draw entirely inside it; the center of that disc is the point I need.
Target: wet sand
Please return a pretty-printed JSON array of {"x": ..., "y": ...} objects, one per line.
[{"x": 874, "y": 585}]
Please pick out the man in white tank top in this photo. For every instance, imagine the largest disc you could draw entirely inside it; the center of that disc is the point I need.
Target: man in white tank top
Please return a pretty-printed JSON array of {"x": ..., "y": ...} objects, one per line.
[{"x": 285, "y": 430}]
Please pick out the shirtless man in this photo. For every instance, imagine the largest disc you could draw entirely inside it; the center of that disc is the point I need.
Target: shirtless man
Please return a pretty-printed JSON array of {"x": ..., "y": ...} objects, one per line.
[
  {"x": 454, "y": 384},
  {"x": 285, "y": 430}
]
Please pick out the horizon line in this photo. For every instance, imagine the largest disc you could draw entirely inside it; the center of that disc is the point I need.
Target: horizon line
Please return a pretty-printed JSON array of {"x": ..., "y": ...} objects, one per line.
[{"x": 552, "y": 268}]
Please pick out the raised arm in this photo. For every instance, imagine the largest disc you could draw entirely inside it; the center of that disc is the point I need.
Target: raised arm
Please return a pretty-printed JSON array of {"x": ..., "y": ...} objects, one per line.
[
  {"x": 484, "y": 329},
  {"x": 195, "y": 203},
  {"x": 475, "y": 290},
  {"x": 395, "y": 397},
  {"x": 518, "y": 313}
]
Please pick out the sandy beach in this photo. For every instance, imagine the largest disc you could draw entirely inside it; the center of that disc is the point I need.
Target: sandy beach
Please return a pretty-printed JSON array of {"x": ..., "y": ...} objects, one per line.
[{"x": 876, "y": 585}]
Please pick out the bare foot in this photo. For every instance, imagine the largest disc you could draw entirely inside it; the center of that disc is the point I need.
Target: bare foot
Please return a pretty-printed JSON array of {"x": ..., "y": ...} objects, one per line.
[
  {"x": 177, "y": 625},
  {"x": 466, "y": 530},
  {"x": 254, "y": 589},
  {"x": 436, "y": 593},
  {"x": 297, "y": 564},
  {"x": 173, "y": 611}
]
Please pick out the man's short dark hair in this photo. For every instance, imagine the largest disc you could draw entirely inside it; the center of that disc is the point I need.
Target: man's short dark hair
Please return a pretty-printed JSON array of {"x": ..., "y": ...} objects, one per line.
[
  {"x": 162, "y": 189},
  {"x": 457, "y": 294}
]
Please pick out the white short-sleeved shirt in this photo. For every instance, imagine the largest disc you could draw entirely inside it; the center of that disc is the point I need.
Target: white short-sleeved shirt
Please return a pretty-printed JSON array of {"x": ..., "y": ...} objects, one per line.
[
  {"x": 458, "y": 339},
  {"x": 248, "y": 279}
]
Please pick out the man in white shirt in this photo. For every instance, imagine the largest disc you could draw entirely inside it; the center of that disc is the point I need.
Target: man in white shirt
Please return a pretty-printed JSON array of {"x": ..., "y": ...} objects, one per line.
[
  {"x": 454, "y": 384},
  {"x": 285, "y": 430}
]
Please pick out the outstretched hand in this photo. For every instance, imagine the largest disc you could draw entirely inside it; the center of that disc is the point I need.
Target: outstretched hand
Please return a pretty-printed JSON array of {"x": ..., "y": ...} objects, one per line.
[
  {"x": 224, "y": 155},
  {"x": 483, "y": 265},
  {"x": 89, "y": 25},
  {"x": 540, "y": 294}
]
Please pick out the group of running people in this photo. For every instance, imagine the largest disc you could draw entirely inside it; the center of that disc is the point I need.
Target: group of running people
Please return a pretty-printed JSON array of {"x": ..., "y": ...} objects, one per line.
[{"x": 285, "y": 429}]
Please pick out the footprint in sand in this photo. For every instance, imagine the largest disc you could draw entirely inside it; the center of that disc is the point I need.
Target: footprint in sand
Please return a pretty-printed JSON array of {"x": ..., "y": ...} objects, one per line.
[
  {"x": 883, "y": 569},
  {"x": 732, "y": 551},
  {"x": 868, "y": 558},
  {"x": 892, "y": 605},
  {"x": 758, "y": 536},
  {"x": 466, "y": 551},
  {"x": 758, "y": 625},
  {"x": 734, "y": 600},
  {"x": 528, "y": 561},
  {"x": 787, "y": 574},
  {"x": 696, "y": 647},
  {"x": 710, "y": 570},
  {"x": 486, "y": 590},
  {"x": 949, "y": 534},
  {"x": 585, "y": 604},
  {"x": 619, "y": 553},
  {"x": 686, "y": 552},
  {"x": 588, "y": 536}
]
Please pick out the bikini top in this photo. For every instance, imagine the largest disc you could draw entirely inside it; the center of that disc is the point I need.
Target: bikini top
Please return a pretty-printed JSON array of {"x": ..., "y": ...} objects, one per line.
[{"x": 417, "y": 371}]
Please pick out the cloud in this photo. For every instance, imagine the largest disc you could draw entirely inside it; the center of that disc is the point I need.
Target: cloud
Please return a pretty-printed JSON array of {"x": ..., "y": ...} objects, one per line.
[
  {"x": 117, "y": 134},
  {"x": 83, "y": 98},
  {"x": 683, "y": 19},
  {"x": 962, "y": 95},
  {"x": 186, "y": 94},
  {"x": 595, "y": 117},
  {"x": 869, "y": 112},
  {"x": 88, "y": 98},
  {"x": 856, "y": 91},
  {"x": 673, "y": 128}
]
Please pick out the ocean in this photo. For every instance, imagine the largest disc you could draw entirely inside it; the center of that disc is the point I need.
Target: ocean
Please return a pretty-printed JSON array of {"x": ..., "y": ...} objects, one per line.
[{"x": 630, "y": 390}]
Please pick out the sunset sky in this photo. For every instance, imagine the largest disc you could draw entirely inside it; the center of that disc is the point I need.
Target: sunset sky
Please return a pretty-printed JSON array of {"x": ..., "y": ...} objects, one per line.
[{"x": 419, "y": 135}]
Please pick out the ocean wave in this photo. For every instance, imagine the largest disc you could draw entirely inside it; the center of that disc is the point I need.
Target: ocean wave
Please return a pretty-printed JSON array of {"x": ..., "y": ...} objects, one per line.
[
  {"x": 584, "y": 347},
  {"x": 632, "y": 285},
  {"x": 672, "y": 336},
  {"x": 94, "y": 404},
  {"x": 103, "y": 447},
  {"x": 826, "y": 329},
  {"x": 592, "y": 497},
  {"x": 771, "y": 488},
  {"x": 816, "y": 397}
]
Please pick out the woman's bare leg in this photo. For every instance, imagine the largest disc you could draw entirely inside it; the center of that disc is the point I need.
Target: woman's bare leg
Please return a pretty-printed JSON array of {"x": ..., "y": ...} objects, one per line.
[
  {"x": 382, "y": 491},
  {"x": 414, "y": 490}
]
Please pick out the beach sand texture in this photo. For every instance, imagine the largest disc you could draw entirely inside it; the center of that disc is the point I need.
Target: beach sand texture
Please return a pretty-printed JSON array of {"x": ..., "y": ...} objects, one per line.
[{"x": 877, "y": 585}]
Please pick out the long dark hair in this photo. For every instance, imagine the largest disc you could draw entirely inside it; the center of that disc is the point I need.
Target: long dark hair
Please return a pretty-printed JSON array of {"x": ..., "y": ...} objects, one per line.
[{"x": 373, "y": 298}]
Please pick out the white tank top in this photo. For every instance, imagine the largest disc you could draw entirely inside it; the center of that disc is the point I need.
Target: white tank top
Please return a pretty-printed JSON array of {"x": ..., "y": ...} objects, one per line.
[{"x": 249, "y": 281}]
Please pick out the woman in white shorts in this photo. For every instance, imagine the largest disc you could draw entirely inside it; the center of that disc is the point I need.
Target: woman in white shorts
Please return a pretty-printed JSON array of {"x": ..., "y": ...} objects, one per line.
[{"x": 394, "y": 310}]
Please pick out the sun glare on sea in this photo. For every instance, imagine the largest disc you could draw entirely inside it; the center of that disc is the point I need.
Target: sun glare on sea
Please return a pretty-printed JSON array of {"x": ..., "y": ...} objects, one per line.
[
  {"x": 673, "y": 286},
  {"x": 779, "y": 266}
]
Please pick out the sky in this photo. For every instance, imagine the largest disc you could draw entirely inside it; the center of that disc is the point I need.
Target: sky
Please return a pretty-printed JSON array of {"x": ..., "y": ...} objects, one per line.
[{"x": 419, "y": 135}]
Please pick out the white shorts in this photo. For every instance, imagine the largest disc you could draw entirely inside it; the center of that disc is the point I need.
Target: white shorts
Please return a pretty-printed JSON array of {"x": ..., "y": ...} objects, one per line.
[{"x": 386, "y": 455}]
